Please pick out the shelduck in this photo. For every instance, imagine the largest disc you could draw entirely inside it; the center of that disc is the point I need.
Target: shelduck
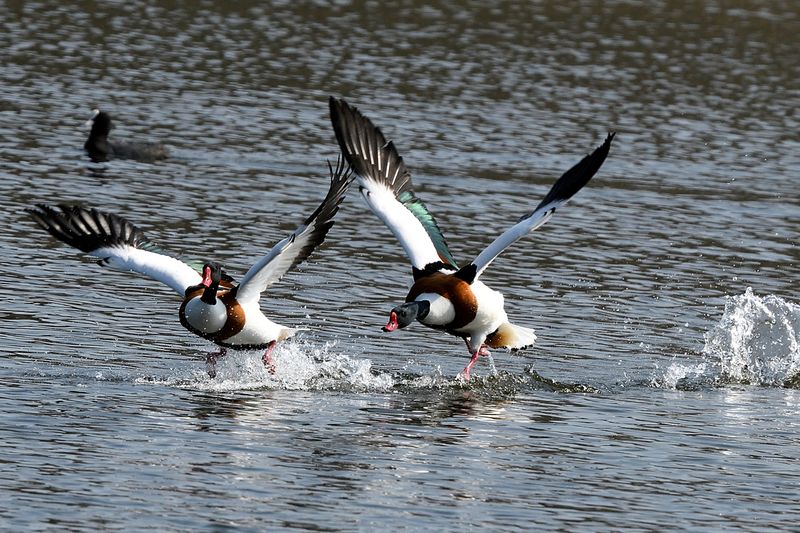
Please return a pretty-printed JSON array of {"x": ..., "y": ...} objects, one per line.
[
  {"x": 443, "y": 295},
  {"x": 214, "y": 306}
]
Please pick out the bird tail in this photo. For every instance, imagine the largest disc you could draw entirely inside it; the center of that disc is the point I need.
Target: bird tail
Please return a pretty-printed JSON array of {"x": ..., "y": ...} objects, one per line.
[
  {"x": 512, "y": 337},
  {"x": 288, "y": 333}
]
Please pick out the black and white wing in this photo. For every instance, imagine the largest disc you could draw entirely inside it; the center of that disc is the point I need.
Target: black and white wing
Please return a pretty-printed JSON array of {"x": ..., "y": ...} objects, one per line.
[
  {"x": 115, "y": 241},
  {"x": 563, "y": 189},
  {"x": 295, "y": 248},
  {"x": 385, "y": 184}
]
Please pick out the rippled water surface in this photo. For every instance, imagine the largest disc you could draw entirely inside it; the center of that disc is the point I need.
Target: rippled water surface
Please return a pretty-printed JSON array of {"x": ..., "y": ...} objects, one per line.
[{"x": 662, "y": 392}]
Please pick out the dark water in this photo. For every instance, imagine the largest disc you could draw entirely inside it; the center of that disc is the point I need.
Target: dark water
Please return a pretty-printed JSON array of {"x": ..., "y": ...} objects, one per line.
[{"x": 661, "y": 394}]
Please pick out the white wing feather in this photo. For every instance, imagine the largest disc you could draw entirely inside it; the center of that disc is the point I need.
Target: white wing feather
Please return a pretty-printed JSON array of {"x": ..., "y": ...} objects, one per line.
[
  {"x": 267, "y": 270},
  {"x": 115, "y": 241},
  {"x": 385, "y": 184},
  {"x": 401, "y": 222},
  {"x": 513, "y": 234},
  {"x": 562, "y": 190},
  {"x": 168, "y": 270},
  {"x": 298, "y": 246}
]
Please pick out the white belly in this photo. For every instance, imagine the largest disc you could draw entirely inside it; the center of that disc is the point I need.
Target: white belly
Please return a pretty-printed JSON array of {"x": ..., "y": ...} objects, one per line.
[
  {"x": 259, "y": 330},
  {"x": 204, "y": 317}
]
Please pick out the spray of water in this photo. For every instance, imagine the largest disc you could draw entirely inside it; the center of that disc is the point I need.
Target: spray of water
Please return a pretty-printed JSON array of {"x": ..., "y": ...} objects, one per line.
[
  {"x": 757, "y": 341},
  {"x": 299, "y": 365},
  {"x": 303, "y": 365}
]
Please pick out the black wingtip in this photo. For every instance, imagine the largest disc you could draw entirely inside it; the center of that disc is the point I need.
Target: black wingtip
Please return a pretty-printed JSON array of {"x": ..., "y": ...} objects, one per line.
[
  {"x": 579, "y": 175},
  {"x": 321, "y": 220},
  {"x": 343, "y": 114},
  {"x": 377, "y": 160},
  {"x": 87, "y": 228},
  {"x": 335, "y": 105},
  {"x": 341, "y": 178},
  {"x": 366, "y": 149}
]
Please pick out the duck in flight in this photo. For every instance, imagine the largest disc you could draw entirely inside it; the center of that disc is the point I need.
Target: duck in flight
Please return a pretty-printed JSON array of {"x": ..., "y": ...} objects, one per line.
[
  {"x": 214, "y": 306},
  {"x": 444, "y": 296},
  {"x": 100, "y": 149}
]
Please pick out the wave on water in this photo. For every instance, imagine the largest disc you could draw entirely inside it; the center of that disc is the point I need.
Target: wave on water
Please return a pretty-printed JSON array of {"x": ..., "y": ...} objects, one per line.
[
  {"x": 301, "y": 365},
  {"x": 757, "y": 341}
]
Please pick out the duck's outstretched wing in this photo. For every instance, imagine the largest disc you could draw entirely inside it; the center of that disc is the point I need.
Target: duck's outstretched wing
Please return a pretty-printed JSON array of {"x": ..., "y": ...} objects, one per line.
[
  {"x": 385, "y": 184},
  {"x": 563, "y": 189},
  {"x": 295, "y": 248},
  {"x": 115, "y": 241}
]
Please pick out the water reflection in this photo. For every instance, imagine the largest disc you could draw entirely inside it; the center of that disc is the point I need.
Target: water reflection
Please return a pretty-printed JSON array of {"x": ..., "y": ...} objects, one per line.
[
  {"x": 431, "y": 408},
  {"x": 211, "y": 407}
]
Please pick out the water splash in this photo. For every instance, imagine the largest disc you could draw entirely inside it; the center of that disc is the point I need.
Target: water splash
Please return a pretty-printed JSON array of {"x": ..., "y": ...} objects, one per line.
[
  {"x": 757, "y": 341},
  {"x": 684, "y": 376},
  {"x": 299, "y": 365},
  {"x": 302, "y": 365}
]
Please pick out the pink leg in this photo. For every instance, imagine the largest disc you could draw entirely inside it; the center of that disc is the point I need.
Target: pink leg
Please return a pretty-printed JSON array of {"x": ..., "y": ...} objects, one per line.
[
  {"x": 211, "y": 362},
  {"x": 468, "y": 368},
  {"x": 267, "y": 357},
  {"x": 483, "y": 350}
]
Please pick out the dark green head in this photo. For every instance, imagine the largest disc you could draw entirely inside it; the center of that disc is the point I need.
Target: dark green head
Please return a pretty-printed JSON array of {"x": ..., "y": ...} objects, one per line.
[{"x": 403, "y": 315}]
